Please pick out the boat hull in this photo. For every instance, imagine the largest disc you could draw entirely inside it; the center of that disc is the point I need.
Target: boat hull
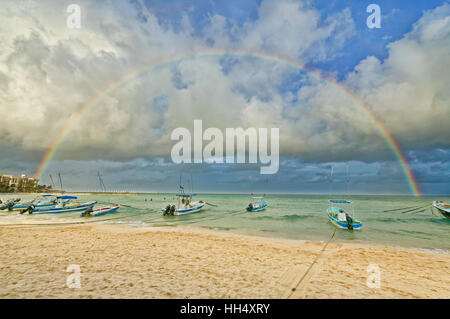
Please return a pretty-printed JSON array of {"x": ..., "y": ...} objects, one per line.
[
  {"x": 191, "y": 210},
  {"x": 25, "y": 206},
  {"x": 103, "y": 211},
  {"x": 39, "y": 205},
  {"x": 78, "y": 208},
  {"x": 357, "y": 225},
  {"x": 441, "y": 209},
  {"x": 445, "y": 214},
  {"x": 257, "y": 207}
]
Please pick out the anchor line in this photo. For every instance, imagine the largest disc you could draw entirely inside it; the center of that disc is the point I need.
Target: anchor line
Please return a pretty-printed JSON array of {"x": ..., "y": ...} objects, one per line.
[
  {"x": 403, "y": 208},
  {"x": 411, "y": 210},
  {"x": 312, "y": 264}
]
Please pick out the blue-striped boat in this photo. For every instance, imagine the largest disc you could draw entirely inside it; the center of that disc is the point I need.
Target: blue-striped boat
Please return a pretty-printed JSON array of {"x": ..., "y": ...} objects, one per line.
[
  {"x": 185, "y": 205},
  {"x": 256, "y": 206},
  {"x": 101, "y": 211},
  {"x": 65, "y": 209},
  {"x": 43, "y": 201},
  {"x": 342, "y": 219}
]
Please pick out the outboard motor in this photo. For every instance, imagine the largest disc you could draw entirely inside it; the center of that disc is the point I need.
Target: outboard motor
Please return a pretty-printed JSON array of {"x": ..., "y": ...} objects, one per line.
[
  {"x": 172, "y": 210},
  {"x": 10, "y": 205},
  {"x": 29, "y": 209},
  {"x": 250, "y": 207},
  {"x": 349, "y": 222},
  {"x": 87, "y": 212},
  {"x": 167, "y": 210}
]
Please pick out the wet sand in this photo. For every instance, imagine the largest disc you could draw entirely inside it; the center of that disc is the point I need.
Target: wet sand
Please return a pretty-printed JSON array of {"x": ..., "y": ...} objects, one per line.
[{"x": 118, "y": 261}]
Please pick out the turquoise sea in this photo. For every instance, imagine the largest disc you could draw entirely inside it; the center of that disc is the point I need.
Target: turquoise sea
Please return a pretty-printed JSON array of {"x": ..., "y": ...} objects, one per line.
[{"x": 299, "y": 217}]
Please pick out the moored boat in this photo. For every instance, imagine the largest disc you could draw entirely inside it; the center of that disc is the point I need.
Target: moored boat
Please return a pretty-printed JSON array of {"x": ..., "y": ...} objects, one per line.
[
  {"x": 43, "y": 201},
  {"x": 442, "y": 208},
  {"x": 61, "y": 207},
  {"x": 100, "y": 211},
  {"x": 341, "y": 218},
  {"x": 185, "y": 205},
  {"x": 8, "y": 204},
  {"x": 257, "y": 204}
]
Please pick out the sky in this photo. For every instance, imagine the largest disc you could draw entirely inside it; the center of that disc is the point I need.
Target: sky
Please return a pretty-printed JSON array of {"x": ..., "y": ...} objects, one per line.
[{"x": 110, "y": 92}]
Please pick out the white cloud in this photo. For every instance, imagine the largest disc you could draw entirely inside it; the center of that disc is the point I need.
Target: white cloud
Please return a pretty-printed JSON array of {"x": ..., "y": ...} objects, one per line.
[
  {"x": 48, "y": 71},
  {"x": 410, "y": 90},
  {"x": 291, "y": 29}
]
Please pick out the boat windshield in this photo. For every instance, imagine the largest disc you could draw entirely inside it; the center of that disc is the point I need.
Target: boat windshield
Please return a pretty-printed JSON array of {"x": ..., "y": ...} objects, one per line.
[{"x": 44, "y": 198}]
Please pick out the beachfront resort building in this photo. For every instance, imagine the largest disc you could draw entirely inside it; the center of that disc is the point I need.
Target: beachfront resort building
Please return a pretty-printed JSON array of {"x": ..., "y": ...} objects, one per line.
[{"x": 15, "y": 183}]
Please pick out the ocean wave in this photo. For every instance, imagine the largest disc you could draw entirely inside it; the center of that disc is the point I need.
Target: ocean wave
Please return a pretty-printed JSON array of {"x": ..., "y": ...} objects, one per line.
[
  {"x": 440, "y": 220},
  {"x": 392, "y": 220},
  {"x": 284, "y": 217}
]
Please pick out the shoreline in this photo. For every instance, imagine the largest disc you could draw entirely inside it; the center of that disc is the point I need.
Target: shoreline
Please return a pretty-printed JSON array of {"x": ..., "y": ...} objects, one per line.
[
  {"x": 358, "y": 242},
  {"x": 209, "y": 229},
  {"x": 122, "y": 261}
]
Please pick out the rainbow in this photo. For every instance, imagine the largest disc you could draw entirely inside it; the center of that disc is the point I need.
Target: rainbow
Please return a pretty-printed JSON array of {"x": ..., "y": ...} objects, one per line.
[{"x": 390, "y": 141}]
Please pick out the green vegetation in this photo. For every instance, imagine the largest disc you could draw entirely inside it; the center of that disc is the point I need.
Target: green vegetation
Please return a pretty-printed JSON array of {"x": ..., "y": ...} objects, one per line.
[{"x": 5, "y": 188}]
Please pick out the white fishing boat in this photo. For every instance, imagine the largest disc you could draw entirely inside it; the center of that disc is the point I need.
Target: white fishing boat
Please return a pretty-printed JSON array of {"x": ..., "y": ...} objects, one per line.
[
  {"x": 185, "y": 205},
  {"x": 100, "y": 211},
  {"x": 442, "y": 208},
  {"x": 61, "y": 207},
  {"x": 257, "y": 204},
  {"x": 343, "y": 219},
  {"x": 42, "y": 201},
  {"x": 340, "y": 217}
]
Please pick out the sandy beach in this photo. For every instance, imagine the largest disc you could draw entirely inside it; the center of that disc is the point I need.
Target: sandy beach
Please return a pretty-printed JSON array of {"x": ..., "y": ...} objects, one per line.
[{"x": 118, "y": 261}]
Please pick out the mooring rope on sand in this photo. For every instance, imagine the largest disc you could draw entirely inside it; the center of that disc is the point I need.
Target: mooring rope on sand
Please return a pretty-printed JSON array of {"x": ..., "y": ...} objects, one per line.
[{"x": 312, "y": 264}]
